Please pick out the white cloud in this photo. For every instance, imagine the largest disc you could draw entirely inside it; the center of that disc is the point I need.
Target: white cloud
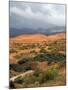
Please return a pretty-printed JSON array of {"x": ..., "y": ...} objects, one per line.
[{"x": 54, "y": 16}]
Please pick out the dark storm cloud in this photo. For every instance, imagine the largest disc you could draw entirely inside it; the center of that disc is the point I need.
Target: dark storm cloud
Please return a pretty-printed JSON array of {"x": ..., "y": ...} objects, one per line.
[{"x": 36, "y": 15}]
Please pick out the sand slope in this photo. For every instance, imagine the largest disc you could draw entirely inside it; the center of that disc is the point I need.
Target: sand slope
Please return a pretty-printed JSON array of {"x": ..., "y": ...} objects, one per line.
[{"x": 38, "y": 38}]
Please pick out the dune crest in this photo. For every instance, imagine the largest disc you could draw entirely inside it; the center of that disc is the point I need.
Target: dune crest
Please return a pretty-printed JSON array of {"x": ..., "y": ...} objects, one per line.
[{"x": 38, "y": 37}]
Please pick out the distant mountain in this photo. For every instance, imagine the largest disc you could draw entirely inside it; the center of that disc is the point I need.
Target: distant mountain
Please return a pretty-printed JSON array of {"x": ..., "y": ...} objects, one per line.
[{"x": 48, "y": 31}]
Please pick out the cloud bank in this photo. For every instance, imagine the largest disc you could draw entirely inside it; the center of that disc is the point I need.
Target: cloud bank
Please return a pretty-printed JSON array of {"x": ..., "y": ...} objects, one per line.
[{"x": 36, "y": 15}]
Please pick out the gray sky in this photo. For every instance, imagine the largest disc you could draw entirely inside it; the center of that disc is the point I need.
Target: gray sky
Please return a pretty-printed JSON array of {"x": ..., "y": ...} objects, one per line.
[{"x": 36, "y": 15}]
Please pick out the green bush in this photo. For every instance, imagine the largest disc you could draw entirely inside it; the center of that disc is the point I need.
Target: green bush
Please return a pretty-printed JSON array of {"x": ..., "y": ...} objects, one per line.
[
  {"x": 33, "y": 51},
  {"x": 38, "y": 76},
  {"x": 33, "y": 78},
  {"x": 29, "y": 79},
  {"x": 41, "y": 77},
  {"x": 50, "y": 57},
  {"x": 50, "y": 74},
  {"x": 54, "y": 50},
  {"x": 42, "y": 50},
  {"x": 12, "y": 50},
  {"x": 24, "y": 60},
  {"x": 40, "y": 57},
  {"x": 19, "y": 80},
  {"x": 21, "y": 67},
  {"x": 37, "y": 72}
]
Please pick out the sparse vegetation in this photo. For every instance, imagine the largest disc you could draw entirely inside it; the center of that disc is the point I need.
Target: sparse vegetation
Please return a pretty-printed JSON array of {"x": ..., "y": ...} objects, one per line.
[
  {"x": 50, "y": 74},
  {"x": 46, "y": 60},
  {"x": 19, "y": 80},
  {"x": 42, "y": 50},
  {"x": 24, "y": 60},
  {"x": 12, "y": 50}
]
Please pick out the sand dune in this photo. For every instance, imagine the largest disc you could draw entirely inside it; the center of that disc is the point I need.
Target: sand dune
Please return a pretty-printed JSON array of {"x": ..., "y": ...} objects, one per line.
[
  {"x": 57, "y": 37},
  {"x": 38, "y": 37}
]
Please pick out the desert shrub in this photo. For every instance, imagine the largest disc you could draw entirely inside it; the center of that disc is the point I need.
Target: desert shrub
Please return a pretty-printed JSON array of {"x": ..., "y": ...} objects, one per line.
[
  {"x": 12, "y": 50},
  {"x": 33, "y": 78},
  {"x": 34, "y": 64},
  {"x": 13, "y": 66},
  {"x": 19, "y": 80},
  {"x": 29, "y": 79},
  {"x": 23, "y": 47},
  {"x": 21, "y": 67},
  {"x": 62, "y": 64},
  {"x": 50, "y": 74},
  {"x": 38, "y": 76},
  {"x": 49, "y": 62},
  {"x": 43, "y": 57},
  {"x": 42, "y": 50},
  {"x": 17, "y": 67},
  {"x": 33, "y": 46},
  {"x": 50, "y": 57},
  {"x": 27, "y": 66},
  {"x": 37, "y": 72},
  {"x": 24, "y": 60},
  {"x": 40, "y": 57},
  {"x": 57, "y": 46},
  {"x": 41, "y": 79},
  {"x": 54, "y": 50},
  {"x": 18, "y": 56},
  {"x": 33, "y": 51},
  {"x": 59, "y": 57}
]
